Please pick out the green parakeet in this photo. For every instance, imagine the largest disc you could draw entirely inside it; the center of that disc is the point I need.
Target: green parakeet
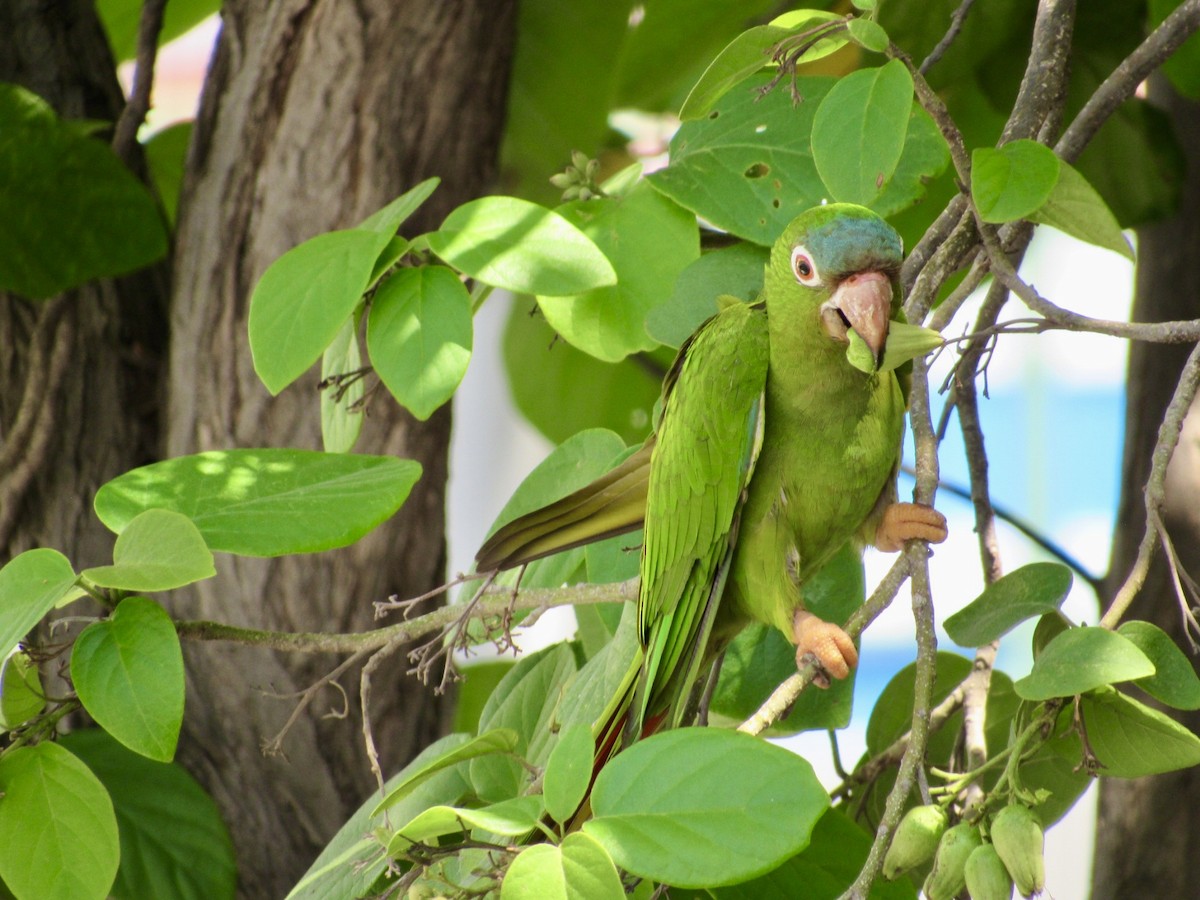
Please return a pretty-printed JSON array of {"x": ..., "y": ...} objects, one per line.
[{"x": 778, "y": 442}]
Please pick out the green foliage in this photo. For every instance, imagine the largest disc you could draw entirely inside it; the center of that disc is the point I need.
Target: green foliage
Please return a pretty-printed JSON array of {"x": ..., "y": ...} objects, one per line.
[
  {"x": 623, "y": 277},
  {"x": 265, "y": 502},
  {"x": 128, "y": 672},
  {"x": 662, "y": 815},
  {"x": 855, "y": 161},
  {"x": 1029, "y": 591},
  {"x": 419, "y": 336},
  {"x": 173, "y": 842},
  {"x": 158, "y": 550},
  {"x": 58, "y": 832},
  {"x": 70, "y": 212}
]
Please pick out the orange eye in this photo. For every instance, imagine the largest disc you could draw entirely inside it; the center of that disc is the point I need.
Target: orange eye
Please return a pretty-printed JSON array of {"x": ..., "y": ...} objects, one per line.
[{"x": 802, "y": 265}]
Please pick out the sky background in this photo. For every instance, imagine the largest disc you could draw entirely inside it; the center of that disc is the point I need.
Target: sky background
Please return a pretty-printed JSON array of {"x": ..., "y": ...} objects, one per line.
[{"x": 1052, "y": 421}]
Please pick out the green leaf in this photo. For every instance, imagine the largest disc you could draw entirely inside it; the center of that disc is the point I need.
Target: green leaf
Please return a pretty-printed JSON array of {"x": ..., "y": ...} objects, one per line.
[
  {"x": 31, "y": 584},
  {"x": 341, "y": 416},
  {"x": 1081, "y": 659},
  {"x": 496, "y": 740},
  {"x": 522, "y": 247},
  {"x": 569, "y": 771},
  {"x": 1131, "y": 740},
  {"x": 128, "y": 672},
  {"x": 158, "y": 550},
  {"x": 1032, "y": 590},
  {"x": 419, "y": 336},
  {"x": 868, "y": 33},
  {"x": 859, "y": 129},
  {"x": 1174, "y": 681},
  {"x": 649, "y": 240},
  {"x": 391, "y": 254},
  {"x": 609, "y": 671},
  {"x": 352, "y": 860},
  {"x": 760, "y": 657},
  {"x": 749, "y": 52},
  {"x": 1074, "y": 207},
  {"x": 173, "y": 842},
  {"x": 120, "y": 19},
  {"x": 523, "y": 701},
  {"x": 891, "y": 717},
  {"x": 58, "y": 834},
  {"x": 21, "y": 694},
  {"x": 736, "y": 271},
  {"x": 70, "y": 211},
  {"x": 166, "y": 152},
  {"x": 576, "y": 462},
  {"x": 699, "y": 807},
  {"x": 747, "y": 166},
  {"x": 1011, "y": 182},
  {"x": 392, "y": 216},
  {"x": 822, "y": 871},
  {"x": 561, "y": 390},
  {"x": 510, "y": 818},
  {"x": 303, "y": 299},
  {"x": 265, "y": 502},
  {"x": 579, "y": 869}
]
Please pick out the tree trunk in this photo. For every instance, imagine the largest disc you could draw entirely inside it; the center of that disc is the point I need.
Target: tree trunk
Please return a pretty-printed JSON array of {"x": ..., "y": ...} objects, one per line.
[
  {"x": 314, "y": 115},
  {"x": 78, "y": 373},
  {"x": 1146, "y": 827}
]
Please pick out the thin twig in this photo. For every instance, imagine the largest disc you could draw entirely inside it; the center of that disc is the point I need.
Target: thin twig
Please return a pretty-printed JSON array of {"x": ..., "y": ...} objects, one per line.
[
  {"x": 134, "y": 113},
  {"x": 1164, "y": 447},
  {"x": 957, "y": 19},
  {"x": 496, "y": 600},
  {"x": 274, "y": 746},
  {"x": 1125, "y": 78}
]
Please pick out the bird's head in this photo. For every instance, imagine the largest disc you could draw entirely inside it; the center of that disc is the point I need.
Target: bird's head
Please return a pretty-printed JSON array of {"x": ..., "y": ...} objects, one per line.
[{"x": 845, "y": 259}]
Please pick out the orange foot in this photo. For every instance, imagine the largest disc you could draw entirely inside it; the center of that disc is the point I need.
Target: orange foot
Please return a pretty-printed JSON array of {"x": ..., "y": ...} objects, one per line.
[
  {"x": 825, "y": 642},
  {"x": 908, "y": 522}
]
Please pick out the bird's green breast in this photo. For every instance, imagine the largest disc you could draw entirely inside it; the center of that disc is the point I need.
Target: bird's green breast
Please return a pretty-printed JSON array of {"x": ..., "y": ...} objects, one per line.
[{"x": 831, "y": 445}]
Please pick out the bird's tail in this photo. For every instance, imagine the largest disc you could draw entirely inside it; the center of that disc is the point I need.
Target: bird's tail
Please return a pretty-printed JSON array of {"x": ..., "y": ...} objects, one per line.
[{"x": 613, "y": 504}]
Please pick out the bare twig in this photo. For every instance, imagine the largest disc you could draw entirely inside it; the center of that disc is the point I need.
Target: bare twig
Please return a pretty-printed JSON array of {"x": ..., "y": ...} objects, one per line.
[
  {"x": 1185, "y": 594},
  {"x": 134, "y": 113},
  {"x": 957, "y": 19},
  {"x": 1168, "y": 437},
  {"x": 274, "y": 746},
  {"x": 495, "y": 601},
  {"x": 1125, "y": 78}
]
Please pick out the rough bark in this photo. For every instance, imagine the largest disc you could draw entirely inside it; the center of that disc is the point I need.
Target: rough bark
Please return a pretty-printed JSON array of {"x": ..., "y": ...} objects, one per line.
[
  {"x": 79, "y": 374},
  {"x": 1146, "y": 827},
  {"x": 314, "y": 115}
]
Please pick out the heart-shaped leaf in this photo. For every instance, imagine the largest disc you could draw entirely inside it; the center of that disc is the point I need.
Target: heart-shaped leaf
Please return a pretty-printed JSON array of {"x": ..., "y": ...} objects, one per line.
[
  {"x": 128, "y": 672},
  {"x": 157, "y": 551}
]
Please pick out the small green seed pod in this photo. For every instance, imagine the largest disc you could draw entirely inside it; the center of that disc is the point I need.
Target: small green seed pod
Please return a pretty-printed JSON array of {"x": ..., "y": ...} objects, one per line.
[
  {"x": 986, "y": 877},
  {"x": 947, "y": 879},
  {"x": 1019, "y": 840},
  {"x": 915, "y": 841}
]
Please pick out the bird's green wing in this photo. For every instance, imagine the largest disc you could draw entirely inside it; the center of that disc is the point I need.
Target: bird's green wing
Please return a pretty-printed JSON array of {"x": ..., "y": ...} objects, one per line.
[
  {"x": 615, "y": 503},
  {"x": 706, "y": 446}
]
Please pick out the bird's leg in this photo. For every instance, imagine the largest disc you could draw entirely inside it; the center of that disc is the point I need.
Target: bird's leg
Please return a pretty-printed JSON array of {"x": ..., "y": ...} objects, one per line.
[
  {"x": 907, "y": 522},
  {"x": 825, "y": 642}
]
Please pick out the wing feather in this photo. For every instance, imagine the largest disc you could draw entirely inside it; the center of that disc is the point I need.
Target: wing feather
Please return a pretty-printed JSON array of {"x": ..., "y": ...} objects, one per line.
[{"x": 706, "y": 446}]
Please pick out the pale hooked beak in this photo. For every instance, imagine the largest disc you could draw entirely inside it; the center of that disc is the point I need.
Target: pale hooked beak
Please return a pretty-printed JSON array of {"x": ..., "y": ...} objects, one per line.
[{"x": 862, "y": 301}]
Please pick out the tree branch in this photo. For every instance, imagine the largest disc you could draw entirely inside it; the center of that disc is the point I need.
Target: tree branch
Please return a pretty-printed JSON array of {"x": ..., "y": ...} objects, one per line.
[
  {"x": 134, "y": 113},
  {"x": 494, "y": 603},
  {"x": 1125, "y": 78}
]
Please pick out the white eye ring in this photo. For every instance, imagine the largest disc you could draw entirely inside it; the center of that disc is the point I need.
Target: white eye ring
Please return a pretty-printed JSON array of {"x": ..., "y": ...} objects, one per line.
[{"x": 804, "y": 268}]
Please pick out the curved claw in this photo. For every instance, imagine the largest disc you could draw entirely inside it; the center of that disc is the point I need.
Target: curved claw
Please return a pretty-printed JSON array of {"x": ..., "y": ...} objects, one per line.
[
  {"x": 909, "y": 522},
  {"x": 828, "y": 644}
]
